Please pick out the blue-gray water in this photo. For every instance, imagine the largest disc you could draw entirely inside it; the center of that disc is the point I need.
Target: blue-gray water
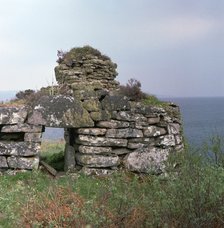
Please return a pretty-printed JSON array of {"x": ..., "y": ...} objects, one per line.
[{"x": 202, "y": 118}]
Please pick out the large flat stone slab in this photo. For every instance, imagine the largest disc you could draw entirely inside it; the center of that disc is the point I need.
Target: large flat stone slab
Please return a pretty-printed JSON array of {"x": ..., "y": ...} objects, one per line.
[{"x": 60, "y": 111}]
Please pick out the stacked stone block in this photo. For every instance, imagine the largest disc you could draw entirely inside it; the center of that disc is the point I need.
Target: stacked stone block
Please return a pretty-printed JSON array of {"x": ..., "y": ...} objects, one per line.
[
  {"x": 136, "y": 138},
  {"x": 86, "y": 72},
  {"x": 19, "y": 141}
]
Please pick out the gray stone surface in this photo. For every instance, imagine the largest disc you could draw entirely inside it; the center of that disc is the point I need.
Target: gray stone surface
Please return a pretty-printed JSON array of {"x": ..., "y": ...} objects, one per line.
[
  {"x": 153, "y": 131},
  {"x": 97, "y": 161},
  {"x": 92, "y": 105},
  {"x": 174, "y": 128},
  {"x": 133, "y": 145},
  {"x": 166, "y": 141},
  {"x": 97, "y": 172},
  {"x": 24, "y": 149},
  {"x": 3, "y": 162},
  {"x": 23, "y": 163},
  {"x": 121, "y": 151},
  {"x": 147, "y": 160},
  {"x": 69, "y": 158},
  {"x": 122, "y": 115},
  {"x": 94, "y": 150},
  {"x": 116, "y": 103},
  {"x": 32, "y": 137},
  {"x": 100, "y": 115},
  {"x": 124, "y": 133},
  {"x": 101, "y": 141},
  {"x": 178, "y": 139},
  {"x": 21, "y": 127},
  {"x": 153, "y": 120},
  {"x": 60, "y": 111},
  {"x": 113, "y": 124},
  {"x": 92, "y": 131},
  {"x": 13, "y": 115}
]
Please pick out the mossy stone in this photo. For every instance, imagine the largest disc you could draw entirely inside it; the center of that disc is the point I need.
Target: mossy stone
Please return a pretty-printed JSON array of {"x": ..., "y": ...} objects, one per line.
[{"x": 91, "y": 105}]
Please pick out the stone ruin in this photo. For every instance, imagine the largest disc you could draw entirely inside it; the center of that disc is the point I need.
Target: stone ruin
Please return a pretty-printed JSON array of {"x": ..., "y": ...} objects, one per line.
[{"x": 103, "y": 130}]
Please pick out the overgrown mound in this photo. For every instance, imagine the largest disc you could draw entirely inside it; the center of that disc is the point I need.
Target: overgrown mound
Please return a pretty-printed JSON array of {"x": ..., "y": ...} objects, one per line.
[{"x": 79, "y": 53}]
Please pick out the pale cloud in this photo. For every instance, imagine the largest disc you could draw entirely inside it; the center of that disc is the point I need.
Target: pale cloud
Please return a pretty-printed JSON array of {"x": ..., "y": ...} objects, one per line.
[
  {"x": 170, "y": 32},
  {"x": 185, "y": 29}
]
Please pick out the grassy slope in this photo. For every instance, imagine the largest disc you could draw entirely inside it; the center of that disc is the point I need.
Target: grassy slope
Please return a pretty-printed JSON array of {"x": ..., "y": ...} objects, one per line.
[{"x": 191, "y": 196}]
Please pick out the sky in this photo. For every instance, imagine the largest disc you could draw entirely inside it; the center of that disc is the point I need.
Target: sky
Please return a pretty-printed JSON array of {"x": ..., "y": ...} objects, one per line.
[{"x": 173, "y": 47}]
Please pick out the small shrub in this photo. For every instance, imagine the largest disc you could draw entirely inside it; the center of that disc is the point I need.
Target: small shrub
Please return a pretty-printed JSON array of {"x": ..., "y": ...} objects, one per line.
[
  {"x": 133, "y": 90},
  {"x": 23, "y": 95}
]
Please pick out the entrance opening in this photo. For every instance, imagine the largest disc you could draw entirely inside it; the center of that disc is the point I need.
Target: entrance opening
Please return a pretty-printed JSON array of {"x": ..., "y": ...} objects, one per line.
[{"x": 52, "y": 148}]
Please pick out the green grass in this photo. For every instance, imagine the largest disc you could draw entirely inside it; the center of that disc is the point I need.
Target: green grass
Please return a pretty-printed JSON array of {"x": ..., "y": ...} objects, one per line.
[
  {"x": 153, "y": 100},
  {"x": 53, "y": 154},
  {"x": 189, "y": 195}
]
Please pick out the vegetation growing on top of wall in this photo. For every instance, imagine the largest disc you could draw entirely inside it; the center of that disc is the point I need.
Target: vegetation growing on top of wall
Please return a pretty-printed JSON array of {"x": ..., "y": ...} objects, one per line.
[
  {"x": 133, "y": 90},
  {"x": 78, "y": 53}
]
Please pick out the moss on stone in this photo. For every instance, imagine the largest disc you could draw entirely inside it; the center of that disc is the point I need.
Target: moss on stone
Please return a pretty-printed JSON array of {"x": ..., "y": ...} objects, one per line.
[
  {"x": 101, "y": 115},
  {"x": 91, "y": 105},
  {"x": 77, "y": 119}
]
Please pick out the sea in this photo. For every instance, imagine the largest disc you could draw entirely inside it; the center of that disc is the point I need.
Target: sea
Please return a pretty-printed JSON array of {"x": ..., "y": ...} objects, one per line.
[{"x": 202, "y": 118}]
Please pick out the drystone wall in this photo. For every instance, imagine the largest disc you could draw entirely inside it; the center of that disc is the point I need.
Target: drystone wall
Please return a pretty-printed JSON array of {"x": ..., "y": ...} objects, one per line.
[
  {"x": 104, "y": 131},
  {"x": 89, "y": 71},
  {"x": 137, "y": 139},
  {"x": 19, "y": 141},
  {"x": 114, "y": 134}
]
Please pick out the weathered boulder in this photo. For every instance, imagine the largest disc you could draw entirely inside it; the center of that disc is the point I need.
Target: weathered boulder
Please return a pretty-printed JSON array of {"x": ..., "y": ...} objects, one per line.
[
  {"x": 60, "y": 111},
  {"x": 147, "y": 160}
]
